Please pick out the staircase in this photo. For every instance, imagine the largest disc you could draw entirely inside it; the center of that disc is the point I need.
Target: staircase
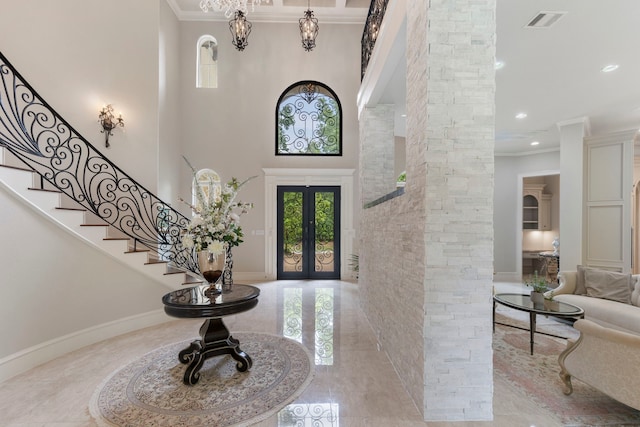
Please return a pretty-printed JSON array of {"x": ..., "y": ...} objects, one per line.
[
  {"x": 46, "y": 164},
  {"x": 64, "y": 212}
]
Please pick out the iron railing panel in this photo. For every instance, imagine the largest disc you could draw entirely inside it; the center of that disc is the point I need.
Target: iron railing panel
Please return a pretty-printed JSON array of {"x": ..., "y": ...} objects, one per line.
[{"x": 37, "y": 135}]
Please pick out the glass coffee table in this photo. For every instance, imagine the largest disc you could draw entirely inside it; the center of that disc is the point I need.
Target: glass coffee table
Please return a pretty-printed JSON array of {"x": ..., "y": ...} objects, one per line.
[{"x": 523, "y": 302}]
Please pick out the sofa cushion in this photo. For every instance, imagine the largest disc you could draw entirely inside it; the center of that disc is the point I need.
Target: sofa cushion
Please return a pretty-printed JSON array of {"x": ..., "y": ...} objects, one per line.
[
  {"x": 635, "y": 292},
  {"x": 607, "y": 313},
  {"x": 580, "y": 288},
  {"x": 608, "y": 285}
]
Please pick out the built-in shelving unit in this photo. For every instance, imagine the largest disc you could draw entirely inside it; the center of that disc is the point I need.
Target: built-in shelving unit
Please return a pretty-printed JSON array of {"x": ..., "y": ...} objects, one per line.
[
  {"x": 536, "y": 208},
  {"x": 529, "y": 213}
]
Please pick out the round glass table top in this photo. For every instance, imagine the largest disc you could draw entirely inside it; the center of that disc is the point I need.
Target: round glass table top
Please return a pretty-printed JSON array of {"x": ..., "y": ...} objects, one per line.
[{"x": 552, "y": 307}]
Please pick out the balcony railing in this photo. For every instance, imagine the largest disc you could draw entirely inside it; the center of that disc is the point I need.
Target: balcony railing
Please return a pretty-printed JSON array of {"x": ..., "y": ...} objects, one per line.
[
  {"x": 33, "y": 132},
  {"x": 371, "y": 30}
]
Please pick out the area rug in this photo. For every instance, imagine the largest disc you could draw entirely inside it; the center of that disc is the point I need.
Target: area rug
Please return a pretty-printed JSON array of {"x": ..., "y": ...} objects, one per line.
[
  {"x": 538, "y": 376},
  {"x": 149, "y": 391}
]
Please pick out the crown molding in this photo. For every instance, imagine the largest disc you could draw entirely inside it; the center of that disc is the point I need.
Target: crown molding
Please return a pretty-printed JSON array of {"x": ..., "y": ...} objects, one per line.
[{"x": 325, "y": 15}]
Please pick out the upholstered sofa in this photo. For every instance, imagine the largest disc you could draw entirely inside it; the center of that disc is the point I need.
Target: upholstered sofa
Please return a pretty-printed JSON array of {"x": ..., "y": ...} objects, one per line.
[
  {"x": 608, "y": 298},
  {"x": 607, "y": 353}
]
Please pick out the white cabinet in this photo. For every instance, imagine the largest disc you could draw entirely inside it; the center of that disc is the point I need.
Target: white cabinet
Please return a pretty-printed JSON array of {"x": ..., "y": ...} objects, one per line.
[
  {"x": 536, "y": 208},
  {"x": 544, "y": 212}
]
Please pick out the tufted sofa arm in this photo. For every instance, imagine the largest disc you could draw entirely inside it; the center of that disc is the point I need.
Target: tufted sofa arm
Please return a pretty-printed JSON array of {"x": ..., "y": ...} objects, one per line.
[{"x": 567, "y": 280}]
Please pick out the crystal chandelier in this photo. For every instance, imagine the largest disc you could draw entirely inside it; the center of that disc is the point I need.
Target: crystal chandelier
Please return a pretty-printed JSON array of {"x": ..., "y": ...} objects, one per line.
[{"x": 230, "y": 6}]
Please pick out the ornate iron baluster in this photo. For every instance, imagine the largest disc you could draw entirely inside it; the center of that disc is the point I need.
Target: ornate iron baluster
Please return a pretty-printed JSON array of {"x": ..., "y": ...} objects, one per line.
[
  {"x": 32, "y": 131},
  {"x": 377, "y": 8}
]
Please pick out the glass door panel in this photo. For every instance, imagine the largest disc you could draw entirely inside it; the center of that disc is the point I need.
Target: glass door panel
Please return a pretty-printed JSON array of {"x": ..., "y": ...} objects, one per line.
[
  {"x": 292, "y": 242},
  {"x": 324, "y": 231}
]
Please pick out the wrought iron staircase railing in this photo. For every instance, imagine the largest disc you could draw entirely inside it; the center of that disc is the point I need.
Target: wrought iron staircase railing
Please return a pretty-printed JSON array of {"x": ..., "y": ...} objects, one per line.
[
  {"x": 377, "y": 8},
  {"x": 39, "y": 137}
]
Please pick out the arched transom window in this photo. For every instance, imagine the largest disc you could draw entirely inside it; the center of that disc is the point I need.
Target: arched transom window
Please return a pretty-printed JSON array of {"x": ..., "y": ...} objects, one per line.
[
  {"x": 207, "y": 62},
  {"x": 309, "y": 120},
  {"x": 207, "y": 183}
]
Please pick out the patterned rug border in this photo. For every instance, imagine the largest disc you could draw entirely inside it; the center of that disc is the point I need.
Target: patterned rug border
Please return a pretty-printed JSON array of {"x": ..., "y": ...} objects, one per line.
[
  {"x": 94, "y": 409},
  {"x": 611, "y": 412}
]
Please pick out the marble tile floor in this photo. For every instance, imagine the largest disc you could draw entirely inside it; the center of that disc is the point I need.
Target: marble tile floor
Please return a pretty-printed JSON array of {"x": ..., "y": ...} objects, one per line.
[{"x": 356, "y": 382}]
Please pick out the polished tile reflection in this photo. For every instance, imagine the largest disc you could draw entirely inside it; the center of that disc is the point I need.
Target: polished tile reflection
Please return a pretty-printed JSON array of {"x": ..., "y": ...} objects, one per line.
[
  {"x": 309, "y": 415},
  {"x": 355, "y": 385},
  {"x": 324, "y": 326},
  {"x": 308, "y": 316},
  {"x": 292, "y": 313}
]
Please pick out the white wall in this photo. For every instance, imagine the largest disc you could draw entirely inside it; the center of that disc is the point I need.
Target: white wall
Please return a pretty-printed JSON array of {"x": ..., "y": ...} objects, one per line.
[
  {"x": 80, "y": 55},
  {"x": 231, "y": 129},
  {"x": 400, "y": 156},
  {"x": 94, "y": 54},
  {"x": 506, "y": 204},
  {"x": 55, "y": 285},
  {"x": 143, "y": 62},
  {"x": 169, "y": 106},
  {"x": 553, "y": 187}
]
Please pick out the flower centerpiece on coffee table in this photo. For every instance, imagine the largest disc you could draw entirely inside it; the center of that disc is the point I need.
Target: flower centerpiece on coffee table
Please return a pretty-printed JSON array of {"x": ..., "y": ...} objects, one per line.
[{"x": 215, "y": 227}]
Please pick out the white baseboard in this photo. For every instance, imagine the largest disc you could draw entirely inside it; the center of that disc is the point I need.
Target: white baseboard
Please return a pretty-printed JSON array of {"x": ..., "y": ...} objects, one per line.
[
  {"x": 29, "y": 358},
  {"x": 507, "y": 277}
]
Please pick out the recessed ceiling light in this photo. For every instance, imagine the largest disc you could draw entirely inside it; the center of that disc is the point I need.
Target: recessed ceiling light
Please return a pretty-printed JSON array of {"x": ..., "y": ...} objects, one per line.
[
  {"x": 498, "y": 65},
  {"x": 521, "y": 115},
  {"x": 535, "y": 143},
  {"x": 609, "y": 68}
]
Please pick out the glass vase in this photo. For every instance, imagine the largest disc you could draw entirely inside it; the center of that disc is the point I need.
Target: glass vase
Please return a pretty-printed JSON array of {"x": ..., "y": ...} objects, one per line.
[{"x": 212, "y": 267}]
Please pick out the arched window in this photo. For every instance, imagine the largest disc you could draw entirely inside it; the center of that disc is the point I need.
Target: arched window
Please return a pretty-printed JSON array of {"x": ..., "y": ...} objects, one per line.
[
  {"x": 207, "y": 62},
  {"x": 206, "y": 187},
  {"x": 309, "y": 120}
]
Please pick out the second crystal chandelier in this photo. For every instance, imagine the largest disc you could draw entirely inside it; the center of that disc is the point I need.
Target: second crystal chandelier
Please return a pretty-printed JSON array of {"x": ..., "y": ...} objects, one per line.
[{"x": 230, "y": 6}]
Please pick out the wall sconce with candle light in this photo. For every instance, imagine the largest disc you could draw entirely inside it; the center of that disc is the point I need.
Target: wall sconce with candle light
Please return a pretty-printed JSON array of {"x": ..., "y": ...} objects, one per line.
[{"x": 109, "y": 122}]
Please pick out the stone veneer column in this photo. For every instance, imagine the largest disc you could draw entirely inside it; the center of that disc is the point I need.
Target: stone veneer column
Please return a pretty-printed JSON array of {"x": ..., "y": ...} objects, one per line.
[
  {"x": 376, "y": 152},
  {"x": 451, "y": 90}
]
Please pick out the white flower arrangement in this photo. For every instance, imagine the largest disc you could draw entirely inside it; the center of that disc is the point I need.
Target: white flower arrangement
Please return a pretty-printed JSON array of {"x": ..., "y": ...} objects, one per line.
[{"x": 216, "y": 221}]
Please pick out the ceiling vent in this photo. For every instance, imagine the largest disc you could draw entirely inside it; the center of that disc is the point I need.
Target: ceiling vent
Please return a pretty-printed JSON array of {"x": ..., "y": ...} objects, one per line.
[{"x": 545, "y": 19}]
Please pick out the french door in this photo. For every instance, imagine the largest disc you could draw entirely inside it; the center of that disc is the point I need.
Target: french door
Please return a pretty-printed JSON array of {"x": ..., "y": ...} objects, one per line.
[{"x": 308, "y": 232}]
